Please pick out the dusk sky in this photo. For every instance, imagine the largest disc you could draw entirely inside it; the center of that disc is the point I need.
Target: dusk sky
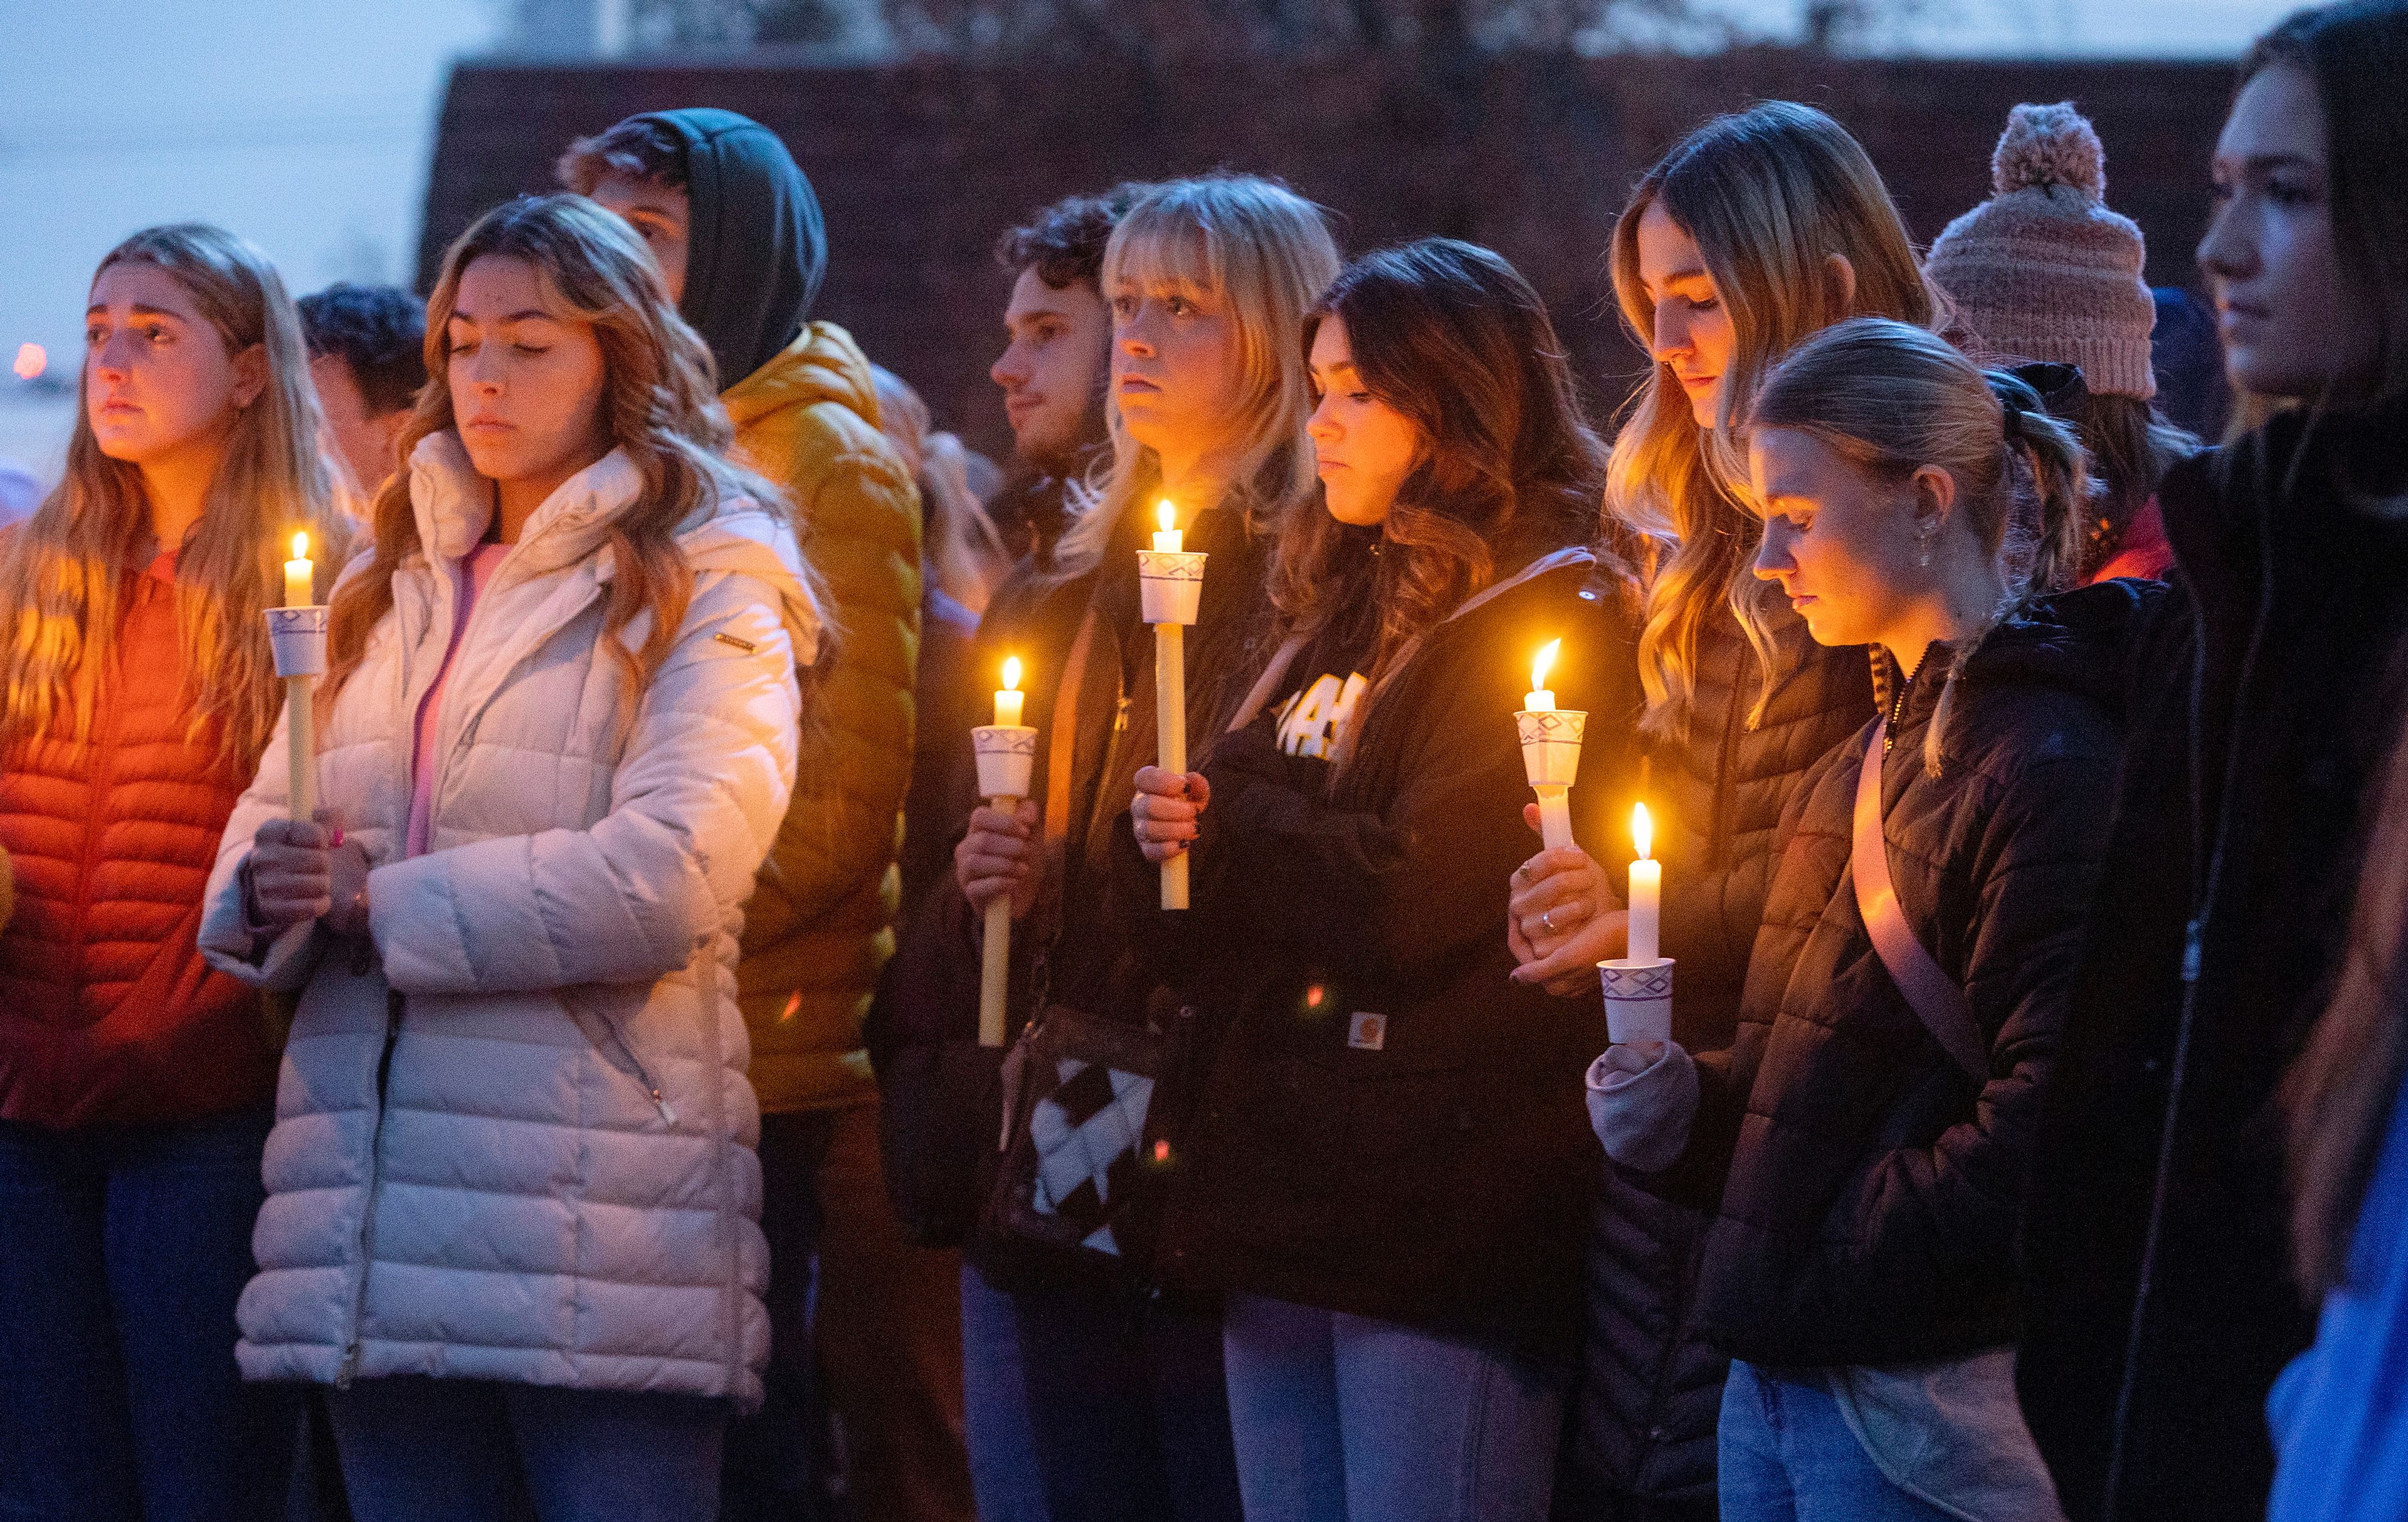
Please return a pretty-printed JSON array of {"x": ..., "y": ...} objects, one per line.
[{"x": 306, "y": 125}]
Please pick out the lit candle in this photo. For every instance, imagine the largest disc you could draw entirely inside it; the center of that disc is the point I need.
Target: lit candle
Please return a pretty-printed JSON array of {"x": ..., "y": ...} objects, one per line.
[
  {"x": 1170, "y": 590},
  {"x": 1538, "y": 699},
  {"x": 1168, "y": 540},
  {"x": 300, "y": 585},
  {"x": 1646, "y": 890},
  {"x": 1008, "y": 700}
]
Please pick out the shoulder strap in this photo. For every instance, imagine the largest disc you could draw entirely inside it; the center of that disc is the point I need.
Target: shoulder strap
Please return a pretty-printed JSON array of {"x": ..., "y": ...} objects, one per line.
[
  {"x": 1061, "y": 751},
  {"x": 1260, "y": 694},
  {"x": 1934, "y": 996}
]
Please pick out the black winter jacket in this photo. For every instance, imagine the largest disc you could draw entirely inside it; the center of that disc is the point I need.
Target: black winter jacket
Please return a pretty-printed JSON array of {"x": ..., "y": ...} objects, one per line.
[
  {"x": 1866, "y": 1190},
  {"x": 2260, "y": 711},
  {"x": 1432, "y": 1169},
  {"x": 1651, "y": 1391}
]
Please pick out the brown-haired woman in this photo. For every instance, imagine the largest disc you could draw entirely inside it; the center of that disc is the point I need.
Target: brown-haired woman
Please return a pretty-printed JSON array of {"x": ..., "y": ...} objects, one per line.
[
  {"x": 511, "y": 1190},
  {"x": 1387, "y": 1173},
  {"x": 136, "y": 693},
  {"x": 2159, "y": 1303}
]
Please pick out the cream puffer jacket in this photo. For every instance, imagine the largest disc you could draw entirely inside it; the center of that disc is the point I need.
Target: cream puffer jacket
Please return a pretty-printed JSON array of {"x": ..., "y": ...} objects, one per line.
[{"x": 513, "y": 1135}]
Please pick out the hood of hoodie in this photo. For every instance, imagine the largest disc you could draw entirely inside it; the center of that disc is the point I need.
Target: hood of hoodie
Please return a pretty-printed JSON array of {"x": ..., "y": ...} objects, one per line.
[
  {"x": 2079, "y": 641},
  {"x": 757, "y": 248}
]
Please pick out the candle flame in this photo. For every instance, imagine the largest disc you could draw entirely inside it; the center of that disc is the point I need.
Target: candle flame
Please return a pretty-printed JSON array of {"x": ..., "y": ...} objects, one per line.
[
  {"x": 1545, "y": 662},
  {"x": 1167, "y": 514},
  {"x": 1642, "y": 830},
  {"x": 301, "y": 546},
  {"x": 1011, "y": 673}
]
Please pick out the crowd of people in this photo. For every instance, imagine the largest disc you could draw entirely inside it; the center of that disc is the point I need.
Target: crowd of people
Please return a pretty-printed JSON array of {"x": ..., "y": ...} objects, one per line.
[{"x": 575, "y": 1106}]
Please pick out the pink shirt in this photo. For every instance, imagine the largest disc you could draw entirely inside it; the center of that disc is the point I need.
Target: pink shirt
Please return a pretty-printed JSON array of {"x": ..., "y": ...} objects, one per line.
[{"x": 479, "y": 570}]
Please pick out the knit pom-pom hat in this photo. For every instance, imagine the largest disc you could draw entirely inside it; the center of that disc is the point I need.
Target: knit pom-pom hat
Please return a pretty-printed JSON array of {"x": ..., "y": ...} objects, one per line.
[{"x": 2042, "y": 270}]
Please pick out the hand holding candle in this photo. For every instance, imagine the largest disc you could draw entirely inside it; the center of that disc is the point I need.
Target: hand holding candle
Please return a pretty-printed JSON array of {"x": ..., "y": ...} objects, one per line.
[
  {"x": 1007, "y": 753},
  {"x": 1171, "y": 587},
  {"x": 1551, "y": 750}
]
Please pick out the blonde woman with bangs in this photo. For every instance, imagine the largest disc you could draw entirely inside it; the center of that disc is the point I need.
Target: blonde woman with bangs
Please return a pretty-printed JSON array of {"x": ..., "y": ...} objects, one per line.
[
  {"x": 1757, "y": 231},
  {"x": 137, "y": 694},
  {"x": 1207, "y": 281},
  {"x": 512, "y": 1193}
]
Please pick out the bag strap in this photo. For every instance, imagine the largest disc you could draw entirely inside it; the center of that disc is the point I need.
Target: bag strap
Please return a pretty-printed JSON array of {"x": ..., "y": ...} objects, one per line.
[
  {"x": 1935, "y": 998},
  {"x": 1063, "y": 745},
  {"x": 1260, "y": 692}
]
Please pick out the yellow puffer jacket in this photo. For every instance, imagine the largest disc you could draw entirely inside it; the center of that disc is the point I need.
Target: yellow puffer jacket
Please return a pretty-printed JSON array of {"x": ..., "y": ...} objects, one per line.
[{"x": 820, "y": 925}]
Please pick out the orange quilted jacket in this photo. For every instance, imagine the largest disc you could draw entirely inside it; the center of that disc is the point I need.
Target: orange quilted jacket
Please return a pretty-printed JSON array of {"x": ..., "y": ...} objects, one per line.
[{"x": 108, "y": 1014}]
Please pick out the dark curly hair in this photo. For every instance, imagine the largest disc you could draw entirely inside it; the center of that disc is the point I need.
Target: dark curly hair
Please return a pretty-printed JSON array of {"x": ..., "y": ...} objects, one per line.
[
  {"x": 639, "y": 146},
  {"x": 1065, "y": 242},
  {"x": 379, "y": 331}
]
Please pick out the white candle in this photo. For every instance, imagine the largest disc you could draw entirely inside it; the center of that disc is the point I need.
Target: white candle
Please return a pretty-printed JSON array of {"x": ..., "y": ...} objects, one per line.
[
  {"x": 1168, "y": 540},
  {"x": 1646, "y": 891},
  {"x": 1538, "y": 699},
  {"x": 300, "y": 584},
  {"x": 1008, "y": 699}
]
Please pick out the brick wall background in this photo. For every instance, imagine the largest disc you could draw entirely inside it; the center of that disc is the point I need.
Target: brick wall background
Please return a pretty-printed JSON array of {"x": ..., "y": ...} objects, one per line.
[{"x": 920, "y": 166}]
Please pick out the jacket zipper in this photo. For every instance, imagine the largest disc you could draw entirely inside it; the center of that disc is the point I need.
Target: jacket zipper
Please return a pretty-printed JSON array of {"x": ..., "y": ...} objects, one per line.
[
  {"x": 643, "y": 1073},
  {"x": 349, "y": 1368}
]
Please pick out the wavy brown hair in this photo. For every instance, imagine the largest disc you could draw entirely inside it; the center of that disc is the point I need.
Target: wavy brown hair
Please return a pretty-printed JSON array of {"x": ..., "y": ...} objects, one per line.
[
  {"x": 658, "y": 401},
  {"x": 1450, "y": 336},
  {"x": 1769, "y": 194},
  {"x": 62, "y": 576}
]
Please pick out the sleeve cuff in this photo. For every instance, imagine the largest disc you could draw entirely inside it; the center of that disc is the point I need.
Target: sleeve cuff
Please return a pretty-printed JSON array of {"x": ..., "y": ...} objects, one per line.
[{"x": 1642, "y": 1119}]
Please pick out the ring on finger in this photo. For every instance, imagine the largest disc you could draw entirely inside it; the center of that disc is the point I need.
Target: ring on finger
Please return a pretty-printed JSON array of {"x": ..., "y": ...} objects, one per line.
[{"x": 1548, "y": 919}]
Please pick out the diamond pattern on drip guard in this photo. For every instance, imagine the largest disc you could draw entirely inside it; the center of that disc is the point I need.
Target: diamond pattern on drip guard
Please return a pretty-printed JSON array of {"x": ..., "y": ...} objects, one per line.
[{"x": 1086, "y": 1134}]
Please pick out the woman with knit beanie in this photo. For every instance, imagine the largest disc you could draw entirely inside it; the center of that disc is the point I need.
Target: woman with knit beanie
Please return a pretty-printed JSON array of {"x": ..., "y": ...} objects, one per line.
[{"x": 2043, "y": 273}]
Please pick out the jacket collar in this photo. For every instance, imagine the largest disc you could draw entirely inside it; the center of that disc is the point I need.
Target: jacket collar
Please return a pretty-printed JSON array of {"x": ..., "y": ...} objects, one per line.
[{"x": 454, "y": 505}]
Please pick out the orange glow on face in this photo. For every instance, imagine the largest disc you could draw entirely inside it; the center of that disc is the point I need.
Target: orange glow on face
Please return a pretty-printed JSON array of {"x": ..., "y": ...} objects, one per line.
[{"x": 1642, "y": 830}]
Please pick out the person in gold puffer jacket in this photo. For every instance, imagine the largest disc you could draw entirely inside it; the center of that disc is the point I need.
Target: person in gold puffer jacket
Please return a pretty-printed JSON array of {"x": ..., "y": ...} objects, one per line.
[{"x": 738, "y": 232}]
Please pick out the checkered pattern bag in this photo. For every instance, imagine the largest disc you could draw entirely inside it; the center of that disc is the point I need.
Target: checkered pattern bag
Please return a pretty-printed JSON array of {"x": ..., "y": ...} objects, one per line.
[{"x": 1079, "y": 1162}]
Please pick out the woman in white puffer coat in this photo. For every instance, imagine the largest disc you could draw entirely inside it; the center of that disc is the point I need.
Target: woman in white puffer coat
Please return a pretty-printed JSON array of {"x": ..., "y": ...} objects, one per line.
[{"x": 511, "y": 1189}]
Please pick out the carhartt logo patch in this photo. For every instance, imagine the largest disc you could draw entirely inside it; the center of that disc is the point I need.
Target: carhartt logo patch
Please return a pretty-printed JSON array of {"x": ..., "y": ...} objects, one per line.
[{"x": 1365, "y": 1031}]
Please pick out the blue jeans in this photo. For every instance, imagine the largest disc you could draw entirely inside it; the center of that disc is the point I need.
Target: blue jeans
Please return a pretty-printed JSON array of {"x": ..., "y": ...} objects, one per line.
[
  {"x": 995, "y": 1407},
  {"x": 1786, "y": 1455},
  {"x": 1127, "y": 1403},
  {"x": 123, "y": 1252},
  {"x": 1343, "y": 1418},
  {"x": 464, "y": 1450}
]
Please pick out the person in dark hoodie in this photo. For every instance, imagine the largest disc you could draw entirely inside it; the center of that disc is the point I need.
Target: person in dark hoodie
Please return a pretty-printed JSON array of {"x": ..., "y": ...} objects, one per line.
[
  {"x": 2159, "y": 1303},
  {"x": 738, "y": 236},
  {"x": 1863, "y": 1143},
  {"x": 1388, "y": 1172}
]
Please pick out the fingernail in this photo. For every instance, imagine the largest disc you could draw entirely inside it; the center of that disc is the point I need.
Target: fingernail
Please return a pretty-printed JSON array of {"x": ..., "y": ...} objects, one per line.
[{"x": 338, "y": 837}]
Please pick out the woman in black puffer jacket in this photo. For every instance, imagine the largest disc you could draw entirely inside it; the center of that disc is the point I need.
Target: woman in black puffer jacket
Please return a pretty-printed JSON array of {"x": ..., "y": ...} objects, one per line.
[
  {"x": 1756, "y": 231},
  {"x": 1864, "y": 1156}
]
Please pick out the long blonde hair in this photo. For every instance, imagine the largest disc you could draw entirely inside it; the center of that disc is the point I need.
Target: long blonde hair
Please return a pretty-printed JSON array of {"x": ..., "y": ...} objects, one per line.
[
  {"x": 658, "y": 400},
  {"x": 1265, "y": 251},
  {"x": 1890, "y": 399},
  {"x": 62, "y": 577},
  {"x": 1769, "y": 195}
]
